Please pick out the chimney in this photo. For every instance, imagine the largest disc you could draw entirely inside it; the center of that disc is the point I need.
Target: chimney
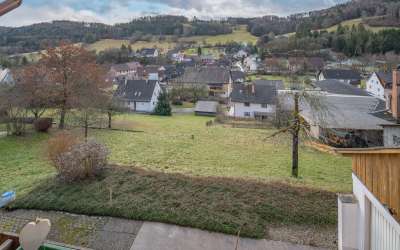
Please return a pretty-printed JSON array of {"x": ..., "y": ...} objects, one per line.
[{"x": 395, "y": 94}]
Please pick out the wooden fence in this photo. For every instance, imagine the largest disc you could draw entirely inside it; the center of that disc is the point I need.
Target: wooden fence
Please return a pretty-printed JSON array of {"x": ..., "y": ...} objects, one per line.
[{"x": 379, "y": 170}]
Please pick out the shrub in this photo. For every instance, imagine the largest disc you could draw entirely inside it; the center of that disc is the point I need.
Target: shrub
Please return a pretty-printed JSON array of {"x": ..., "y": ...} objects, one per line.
[
  {"x": 60, "y": 144},
  {"x": 43, "y": 124},
  {"x": 163, "y": 107},
  {"x": 82, "y": 161}
]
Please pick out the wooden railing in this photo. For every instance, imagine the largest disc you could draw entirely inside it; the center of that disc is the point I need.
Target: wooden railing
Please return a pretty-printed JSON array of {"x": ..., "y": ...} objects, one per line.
[{"x": 379, "y": 171}]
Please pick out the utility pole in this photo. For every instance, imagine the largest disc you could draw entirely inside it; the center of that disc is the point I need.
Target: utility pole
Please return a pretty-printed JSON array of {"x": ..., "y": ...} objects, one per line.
[{"x": 9, "y": 5}]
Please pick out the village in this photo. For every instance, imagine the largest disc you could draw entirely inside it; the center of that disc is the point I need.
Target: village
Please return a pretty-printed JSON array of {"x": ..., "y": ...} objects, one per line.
[{"x": 195, "y": 143}]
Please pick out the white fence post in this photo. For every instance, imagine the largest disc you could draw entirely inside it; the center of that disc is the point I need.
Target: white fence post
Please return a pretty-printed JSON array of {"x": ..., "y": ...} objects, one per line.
[{"x": 348, "y": 222}]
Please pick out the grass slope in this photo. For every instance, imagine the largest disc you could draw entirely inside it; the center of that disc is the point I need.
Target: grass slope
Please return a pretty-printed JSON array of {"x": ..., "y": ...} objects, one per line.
[
  {"x": 349, "y": 24},
  {"x": 240, "y": 34},
  {"x": 180, "y": 171}
]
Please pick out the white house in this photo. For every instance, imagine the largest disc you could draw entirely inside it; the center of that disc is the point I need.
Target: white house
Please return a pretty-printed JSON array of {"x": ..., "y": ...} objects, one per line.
[
  {"x": 5, "y": 76},
  {"x": 251, "y": 64},
  {"x": 240, "y": 54},
  {"x": 257, "y": 100},
  {"x": 139, "y": 95},
  {"x": 379, "y": 83},
  {"x": 150, "y": 52}
]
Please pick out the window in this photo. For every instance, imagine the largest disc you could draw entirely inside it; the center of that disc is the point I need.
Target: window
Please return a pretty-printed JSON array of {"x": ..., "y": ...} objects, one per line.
[
  {"x": 247, "y": 114},
  {"x": 264, "y": 106},
  {"x": 247, "y": 104}
]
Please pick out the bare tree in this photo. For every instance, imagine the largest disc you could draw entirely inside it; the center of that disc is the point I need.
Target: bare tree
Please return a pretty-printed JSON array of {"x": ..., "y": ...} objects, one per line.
[
  {"x": 34, "y": 88},
  {"x": 73, "y": 71},
  {"x": 13, "y": 110},
  {"x": 300, "y": 97}
]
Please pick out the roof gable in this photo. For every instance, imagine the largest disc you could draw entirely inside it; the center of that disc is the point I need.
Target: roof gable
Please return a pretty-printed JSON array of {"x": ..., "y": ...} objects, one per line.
[
  {"x": 254, "y": 93},
  {"x": 345, "y": 74},
  {"x": 136, "y": 90}
]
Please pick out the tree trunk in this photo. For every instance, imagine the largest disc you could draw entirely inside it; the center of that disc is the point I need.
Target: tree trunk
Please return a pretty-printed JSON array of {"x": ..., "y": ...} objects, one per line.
[
  {"x": 62, "y": 118},
  {"x": 295, "y": 155},
  {"x": 86, "y": 126},
  {"x": 295, "y": 132},
  {"x": 109, "y": 120}
]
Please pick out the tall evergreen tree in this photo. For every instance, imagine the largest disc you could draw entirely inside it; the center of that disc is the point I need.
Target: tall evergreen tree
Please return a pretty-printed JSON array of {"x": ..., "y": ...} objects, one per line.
[{"x": 163, "y": 106}]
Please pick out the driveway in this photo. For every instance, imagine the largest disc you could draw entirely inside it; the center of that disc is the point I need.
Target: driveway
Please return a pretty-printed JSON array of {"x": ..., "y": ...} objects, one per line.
[
  {"x": 105, "y": 233},
  {"x": 158, "y": 236}
]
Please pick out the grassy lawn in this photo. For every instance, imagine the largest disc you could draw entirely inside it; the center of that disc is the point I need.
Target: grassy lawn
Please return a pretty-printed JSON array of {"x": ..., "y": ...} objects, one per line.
[
  {"x": 180, "y": 171},
  {"x": 286, "y": 79},
  {"x": 205, "y": 51},
  {"x": 239, "y": 34},
  {"x": 355, "y": 22},
  {"x": 116, "y": 44}
]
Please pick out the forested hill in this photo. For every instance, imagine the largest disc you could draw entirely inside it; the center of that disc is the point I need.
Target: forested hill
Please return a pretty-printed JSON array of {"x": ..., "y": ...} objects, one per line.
[
  {"x": 34, "y": 37},
  {"x": 376, "y": 12}
]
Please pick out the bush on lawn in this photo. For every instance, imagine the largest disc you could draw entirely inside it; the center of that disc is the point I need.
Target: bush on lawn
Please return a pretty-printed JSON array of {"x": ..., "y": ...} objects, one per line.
[
  {"x": 59, "y": 144},
  {"x": 43, "y": 124},
  {"x": 82, "y": 161}
]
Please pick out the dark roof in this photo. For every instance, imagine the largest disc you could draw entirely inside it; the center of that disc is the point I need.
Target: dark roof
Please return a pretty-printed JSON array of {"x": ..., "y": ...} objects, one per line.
[
  {"x": 341, "y": 88},
  {"x": 345, "y": 112},
  {"x": 206, "y": 107},
  {"x": 263, "y": 93},
  {"x": 346, "y": 74},
  {"x": 277, "y": 83},
  {"x": 136, "y": 90},
  {"x": 316, "y": 62},
  {"x": 204, "y": 75},
  {"x": 148, "y": 51},
  {"x": 385, "y": 78},
  {"x": 238, "y": 75}
]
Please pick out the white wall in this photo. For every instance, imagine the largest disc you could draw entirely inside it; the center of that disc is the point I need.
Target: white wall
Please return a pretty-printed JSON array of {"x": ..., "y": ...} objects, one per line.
[
  {"x": 147, "y": 107},
  {"x": 375, "y": 87},
  {"x": 238, "y": 109}
]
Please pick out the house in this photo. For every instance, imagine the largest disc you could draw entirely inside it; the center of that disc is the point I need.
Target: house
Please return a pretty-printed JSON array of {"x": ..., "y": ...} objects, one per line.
[
  {"x": 339, "y": 88},
  {"x": 345, "y": 120},
  {"x": 207, "y": 59},
  {"x": 240, "y": 54},
  {"x": 251, "y": 64},
  {"x": 139, "y": 95},
  {"x": 296, "y": 64},
  {"x": 154, "y": 72},
  {"x": 344, "y": 75},
  {"x": 369, "y": 217},
  {"x": 315, "y": 64},
  {"x": 379, "y": 84},
  {"x": 275, "y": 65},
  {"x": 149, "y": 52},
  {"x": 216, "y": 79},
  {"x": 5, "y": 76},
  {"x": 206, "y": 108},
  {"x": 238, "y": 76},
  {"x": 257, "y": 100},
  {"x": 131, "y": 71}
]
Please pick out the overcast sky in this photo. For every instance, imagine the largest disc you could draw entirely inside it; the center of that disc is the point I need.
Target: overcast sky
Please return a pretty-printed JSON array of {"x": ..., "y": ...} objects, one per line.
[{"x": 112, "y": 11}]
